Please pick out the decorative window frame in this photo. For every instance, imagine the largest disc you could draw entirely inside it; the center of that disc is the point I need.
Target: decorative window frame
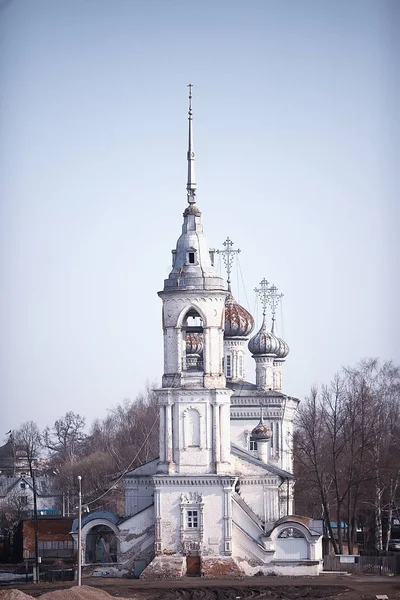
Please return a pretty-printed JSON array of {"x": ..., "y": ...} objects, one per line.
[
  {"x": 192, "y": 537},
  {"x": 193, "y": 251}
]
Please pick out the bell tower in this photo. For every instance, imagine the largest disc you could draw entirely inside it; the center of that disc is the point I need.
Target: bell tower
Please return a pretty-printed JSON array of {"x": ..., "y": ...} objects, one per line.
[{"x": 194, "y": 401}]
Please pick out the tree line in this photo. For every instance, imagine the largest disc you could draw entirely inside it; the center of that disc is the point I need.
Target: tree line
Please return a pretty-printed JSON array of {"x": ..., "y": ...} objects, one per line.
[
  {"x": 126, "y": 438},
  {"x": 346, "y": 453}
]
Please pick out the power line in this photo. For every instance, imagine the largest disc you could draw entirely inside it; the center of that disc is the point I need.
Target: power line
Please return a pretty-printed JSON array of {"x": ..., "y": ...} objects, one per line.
[{"x": 128, "y": 467}]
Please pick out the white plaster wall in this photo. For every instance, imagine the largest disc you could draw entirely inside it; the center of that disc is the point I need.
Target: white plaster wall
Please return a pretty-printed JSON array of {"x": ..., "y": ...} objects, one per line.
[
  {"x": 250, "y": 556},
  {"x": 262, "y": 499},
  {"x": 245, "y": 522},
  {"x": 213, "y": 519},
  {"x": 238, "y": 428},
  {"x": 138, "y": 497},
  {"x": 132, "y": 530},
  {"x": 296, "y": 570},
  {"x": 212, "y": 406},
  {"x": 253, "y": 558}
]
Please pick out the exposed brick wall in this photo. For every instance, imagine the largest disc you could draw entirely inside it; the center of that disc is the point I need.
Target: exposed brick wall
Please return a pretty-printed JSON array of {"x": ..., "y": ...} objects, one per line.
[
  {"x": 165, "y": 567},
  {"x": 220, "y": 568}
]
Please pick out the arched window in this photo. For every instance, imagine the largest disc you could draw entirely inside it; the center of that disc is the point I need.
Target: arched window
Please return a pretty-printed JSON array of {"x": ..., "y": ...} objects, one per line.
[{"x": 291, "y": 532}]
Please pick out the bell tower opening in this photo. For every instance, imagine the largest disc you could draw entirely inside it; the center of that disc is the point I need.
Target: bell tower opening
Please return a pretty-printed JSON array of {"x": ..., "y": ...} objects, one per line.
[{"x": 192, "y": 342}]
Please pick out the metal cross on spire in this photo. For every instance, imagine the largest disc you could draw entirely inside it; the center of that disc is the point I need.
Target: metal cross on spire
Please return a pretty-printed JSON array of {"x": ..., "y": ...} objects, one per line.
[
  {"x": 273, "y": 300},
  {"x": 190, "y": 85},
  {"x": 191, "y": 179},
  {"x": 262, "y": 291},
  {"x": 228, "y": 256}
]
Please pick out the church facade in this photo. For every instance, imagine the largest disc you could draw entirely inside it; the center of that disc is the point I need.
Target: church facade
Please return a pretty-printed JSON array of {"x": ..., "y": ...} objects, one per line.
[{"x": 218, "y": 501}]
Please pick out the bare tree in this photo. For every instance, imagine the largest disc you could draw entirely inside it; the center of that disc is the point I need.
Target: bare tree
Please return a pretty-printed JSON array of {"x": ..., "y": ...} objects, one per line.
[
  {"x": 66, "y": 439},
  {"x": 347, "y": 449},
  {"x": 12, "y": 508},
  {"x": 27, "y": 440}
]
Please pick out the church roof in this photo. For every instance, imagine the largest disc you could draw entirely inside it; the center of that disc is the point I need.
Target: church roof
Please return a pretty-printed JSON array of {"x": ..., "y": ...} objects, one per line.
[
  {"x": 242, "y": 388},
  {"x": 97, "y": 514},
  {"x": 6, "y": 451},
  {"x": 244, "y": 455},
  {"x": 150, "y": 468},
  {"x": 7, "y": 458}
]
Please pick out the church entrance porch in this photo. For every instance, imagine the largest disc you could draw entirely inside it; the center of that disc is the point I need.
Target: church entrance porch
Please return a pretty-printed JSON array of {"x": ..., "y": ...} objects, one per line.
[
  {"x": 193, "y": 566},
  {"x": 101, "y": 545}
]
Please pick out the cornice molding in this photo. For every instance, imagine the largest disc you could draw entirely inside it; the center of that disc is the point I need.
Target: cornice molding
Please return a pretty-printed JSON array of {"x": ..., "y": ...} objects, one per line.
[{"x": 192, "y": 480}]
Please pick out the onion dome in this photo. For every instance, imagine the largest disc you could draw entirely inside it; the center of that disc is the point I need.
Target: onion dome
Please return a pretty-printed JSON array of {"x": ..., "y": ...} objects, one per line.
[
  {"x": 238, "y": 321},
  {"x": 264, "y": 342},
  {"x": 194, "y": 344},
  {"x": 283, "y": 350},
  {"x": 261, "y": 432}
]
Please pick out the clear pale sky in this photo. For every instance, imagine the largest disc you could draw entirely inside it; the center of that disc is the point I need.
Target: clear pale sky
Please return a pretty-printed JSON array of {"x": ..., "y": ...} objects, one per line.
[{"x": 296, "y": 129}]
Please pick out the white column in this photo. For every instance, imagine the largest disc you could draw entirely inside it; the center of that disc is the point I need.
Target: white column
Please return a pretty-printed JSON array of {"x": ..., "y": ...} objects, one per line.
[
  {"x": 168, "y": 428},
  {"x": 275, "y": 503},
  {"x": 157, "y": 515},
  {"x": 225, "y": 432},
  {"x": 184, "y": 427},
  {"x": 206, "y": 350},
  {"x": 227, "y": 521},
  {"x": 263, "y": 450},
  {"x": 162, "y": 434},
  {"x": 217, "y": 434}
]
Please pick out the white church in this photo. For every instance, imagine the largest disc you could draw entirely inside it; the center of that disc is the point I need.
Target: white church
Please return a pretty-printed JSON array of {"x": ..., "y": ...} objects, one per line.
[{"x": 218, "y": 501}]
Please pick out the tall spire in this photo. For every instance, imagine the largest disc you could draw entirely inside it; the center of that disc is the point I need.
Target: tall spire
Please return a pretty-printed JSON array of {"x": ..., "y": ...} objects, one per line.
[{"x": 191, "y": 180}]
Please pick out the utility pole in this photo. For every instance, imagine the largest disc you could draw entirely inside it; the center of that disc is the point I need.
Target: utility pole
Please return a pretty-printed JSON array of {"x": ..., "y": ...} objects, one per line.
[
  {"x": 35, "y": 527},
  {"x": 79, "y": 530}
]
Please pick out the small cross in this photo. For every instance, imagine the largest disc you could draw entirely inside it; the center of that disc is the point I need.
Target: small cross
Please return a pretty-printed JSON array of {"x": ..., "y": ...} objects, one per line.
[
  {"x": 273, "y": 300},
  {"x": 228, "y": 256},
  {"x": 262, "y": 291}
]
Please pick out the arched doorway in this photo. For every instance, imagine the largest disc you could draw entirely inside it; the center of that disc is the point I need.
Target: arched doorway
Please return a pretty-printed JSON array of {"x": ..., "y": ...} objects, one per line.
[{"x": 101, "y": 545}]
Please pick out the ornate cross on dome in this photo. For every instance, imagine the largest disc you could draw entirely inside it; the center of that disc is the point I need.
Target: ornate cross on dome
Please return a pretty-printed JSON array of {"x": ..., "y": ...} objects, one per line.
[
  {"x": 228, "y": 256},
  {"x": 263, "y": 291},
  {"x": 273, "y": 299}
]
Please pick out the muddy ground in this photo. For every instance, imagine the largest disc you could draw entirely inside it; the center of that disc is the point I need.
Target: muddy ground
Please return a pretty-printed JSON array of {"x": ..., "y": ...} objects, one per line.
[{"x": 334, "y": 587}]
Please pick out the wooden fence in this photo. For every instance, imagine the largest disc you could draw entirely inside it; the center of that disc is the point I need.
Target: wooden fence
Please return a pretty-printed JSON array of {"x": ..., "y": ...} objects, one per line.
[{"x": 378, "y": 565}]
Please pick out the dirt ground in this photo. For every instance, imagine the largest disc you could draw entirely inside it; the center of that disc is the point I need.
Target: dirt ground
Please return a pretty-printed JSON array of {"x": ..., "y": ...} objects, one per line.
[{"x": 332, "y": 586}]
